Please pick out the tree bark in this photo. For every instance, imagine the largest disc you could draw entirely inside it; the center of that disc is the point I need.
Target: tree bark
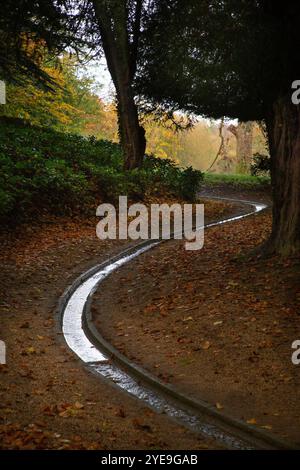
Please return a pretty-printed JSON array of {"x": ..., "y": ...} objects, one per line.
[
  {"x": 283, "y": 126},
  {"x": 121, "y": 54},
  {"x": 132, "y": 135}
]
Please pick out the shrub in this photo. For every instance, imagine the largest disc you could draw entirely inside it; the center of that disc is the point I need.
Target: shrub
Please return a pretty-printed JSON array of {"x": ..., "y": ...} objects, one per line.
[
  {"x": 41, "y": 169},
  {"x": 190, "y": 183},
  {"x": 184, "y": 183}
]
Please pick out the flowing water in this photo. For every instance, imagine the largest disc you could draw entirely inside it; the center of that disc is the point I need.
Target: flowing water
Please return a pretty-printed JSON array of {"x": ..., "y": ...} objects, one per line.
[{"x": 97, "y": 361}]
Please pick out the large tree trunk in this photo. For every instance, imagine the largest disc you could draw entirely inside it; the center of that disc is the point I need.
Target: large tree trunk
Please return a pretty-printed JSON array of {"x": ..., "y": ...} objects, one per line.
[
  {"x": 283, "y": 125},
  {"x": 121, "y": 55},
  {"x": 244, "y": 137},
  {"x": 132, "y": 135}
]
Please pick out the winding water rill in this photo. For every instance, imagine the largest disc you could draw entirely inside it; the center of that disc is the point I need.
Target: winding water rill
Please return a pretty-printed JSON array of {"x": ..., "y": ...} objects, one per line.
[{"x": 201, "y": 418}]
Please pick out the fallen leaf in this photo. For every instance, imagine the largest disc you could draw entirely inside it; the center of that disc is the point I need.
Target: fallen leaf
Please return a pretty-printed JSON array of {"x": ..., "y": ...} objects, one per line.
[
  {"x": 78, "y": 406},
  {"x": 31, "y": 350},
  {"x": 121, "y": 413},
  {"x": 251, "y": 421}
]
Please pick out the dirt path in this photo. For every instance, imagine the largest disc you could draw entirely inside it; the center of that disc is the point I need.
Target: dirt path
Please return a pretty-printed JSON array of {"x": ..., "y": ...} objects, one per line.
[
  {"x": 218, "y": 328},
  {"x": 47, "y": 399}
]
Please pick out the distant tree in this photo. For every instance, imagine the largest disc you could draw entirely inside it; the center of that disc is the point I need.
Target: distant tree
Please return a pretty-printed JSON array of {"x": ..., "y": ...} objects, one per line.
[
  {"x": 73, "y": 107},
  {"x": 243, "y": 133},
  {"x": 235, "y": 58},
  {"x": 221, "y": 162}
]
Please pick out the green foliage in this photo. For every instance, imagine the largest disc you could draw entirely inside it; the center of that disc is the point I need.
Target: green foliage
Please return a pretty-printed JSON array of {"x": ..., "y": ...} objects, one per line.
[
  {"x": 244, "y": 181},
  {"x": 72, "y": 106},
  {"x": 29, "y": 29},
  {"x": 224, "y": 58},
  {"x": 44, "y": 170},
  {"x": 261, "y": 165},
  {"x": 183, "y": 182}
]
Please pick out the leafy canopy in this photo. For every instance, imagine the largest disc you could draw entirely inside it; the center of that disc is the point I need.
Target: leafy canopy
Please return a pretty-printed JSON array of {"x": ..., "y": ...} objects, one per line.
[{"x": 219, "y": 58}]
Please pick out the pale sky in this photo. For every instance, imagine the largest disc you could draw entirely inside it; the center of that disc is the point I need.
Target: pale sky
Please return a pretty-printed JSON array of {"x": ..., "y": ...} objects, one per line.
[{"x": 100, "y": 72}]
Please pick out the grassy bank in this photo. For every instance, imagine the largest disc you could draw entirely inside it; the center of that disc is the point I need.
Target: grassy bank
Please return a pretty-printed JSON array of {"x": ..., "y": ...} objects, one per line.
[
  {"x": 42, "y": 170},
  {"x": 246, "y": 181}
]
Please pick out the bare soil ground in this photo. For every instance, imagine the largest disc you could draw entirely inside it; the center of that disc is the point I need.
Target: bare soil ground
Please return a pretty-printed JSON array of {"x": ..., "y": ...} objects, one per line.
[
  {"x": 219, "y": 325},
  {"x": 47, "y": 399}
]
